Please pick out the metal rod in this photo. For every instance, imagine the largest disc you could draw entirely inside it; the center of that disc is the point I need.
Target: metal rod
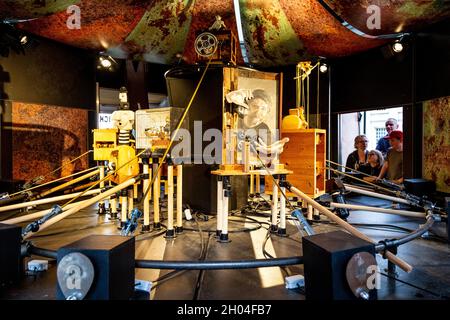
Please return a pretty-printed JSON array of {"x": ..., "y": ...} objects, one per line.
[
  {"x": 381, "y": 210},
  {"x": 53, "y": 181},
  {"x": 34, "y": 216},
  {"x": 68, "y": 183},
  {"x": 83, "y": 205},
  {"x": 48, "y": 200},
  {"x": 391, "y": 257},
  {"x": 374, "y": 194}
]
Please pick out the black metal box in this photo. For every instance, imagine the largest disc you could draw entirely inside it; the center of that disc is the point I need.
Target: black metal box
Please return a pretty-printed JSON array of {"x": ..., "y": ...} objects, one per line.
[
  {"x": 325, "y": 261},
  {"x": 10, "y": 259},
  {"x": 420, "y": 187},
  {"x": 113, "y": 260}
]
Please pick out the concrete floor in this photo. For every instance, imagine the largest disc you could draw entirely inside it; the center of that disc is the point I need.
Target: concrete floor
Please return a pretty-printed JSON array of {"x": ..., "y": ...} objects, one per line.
[{"x": 430, "y": 278}]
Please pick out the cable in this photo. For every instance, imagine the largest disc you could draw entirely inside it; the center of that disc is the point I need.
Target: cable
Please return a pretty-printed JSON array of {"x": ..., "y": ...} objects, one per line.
[
  {"x": 201, "y": 275},
  {"x": 177, "y": 273},
  {"x": 414, "y": 286},
  {"x": 266, "y": 254}
]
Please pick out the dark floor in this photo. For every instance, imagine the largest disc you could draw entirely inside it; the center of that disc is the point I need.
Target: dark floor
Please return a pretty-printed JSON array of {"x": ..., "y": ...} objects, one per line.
[{"x": 430, "y": 258}]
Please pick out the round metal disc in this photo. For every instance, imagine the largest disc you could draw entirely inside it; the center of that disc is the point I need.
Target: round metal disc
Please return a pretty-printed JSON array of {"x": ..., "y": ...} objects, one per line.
[
  {"x": 206, "y": 44},
  {"x": 359, "y": 269},
  {"x": 75, "y": 275}
]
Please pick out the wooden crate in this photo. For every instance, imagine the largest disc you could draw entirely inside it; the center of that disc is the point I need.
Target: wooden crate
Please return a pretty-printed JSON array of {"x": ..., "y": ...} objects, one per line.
[
  {"x": 226, "y": 52},
  {"x": 305, "y": 155}
]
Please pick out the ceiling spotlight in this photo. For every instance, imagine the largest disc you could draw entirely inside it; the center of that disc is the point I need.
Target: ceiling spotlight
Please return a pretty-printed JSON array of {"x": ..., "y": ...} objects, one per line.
[
  {"x": 105, "y": 63},
  {"x": 323, "y": 67},
  {"x": 397, "y": 46},
  {"x": 24, "y": 40}
]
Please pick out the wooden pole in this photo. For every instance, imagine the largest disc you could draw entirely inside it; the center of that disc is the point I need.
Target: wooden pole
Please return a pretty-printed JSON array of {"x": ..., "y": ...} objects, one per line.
[
  {"x": 68, "y": 183},
  {"x": 83, "y": 205},
  {"x": 156, "y": 191},
  {"x": 170, "y": 230},
  {"x": 179, "y": 197},
  {"x": 389, "y": 255},
  {"x": 381, "y": 210},
  {"x": 48, "y": 200},
  {"x": 36, "y": 215},
  {"x": 374, "y": 194},
  {"x": 145, "y": 184}
]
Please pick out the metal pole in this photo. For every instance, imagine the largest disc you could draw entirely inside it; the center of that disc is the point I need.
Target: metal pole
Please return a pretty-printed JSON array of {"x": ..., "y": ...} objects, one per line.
[
  {"x": 48, "y": 200},
  {"x": 68, "y": 183},
  {"x": 83, "y": 205},
  {"x": 381, "y": 210},
  {"x": 374, "y": 194},
  {"x": 36, "y": 215},
  {"x": 402, "y": 264}
]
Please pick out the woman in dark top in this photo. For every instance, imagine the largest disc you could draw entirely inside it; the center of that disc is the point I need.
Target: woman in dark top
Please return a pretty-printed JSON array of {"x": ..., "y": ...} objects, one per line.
[{"x": 360, "y": 155}]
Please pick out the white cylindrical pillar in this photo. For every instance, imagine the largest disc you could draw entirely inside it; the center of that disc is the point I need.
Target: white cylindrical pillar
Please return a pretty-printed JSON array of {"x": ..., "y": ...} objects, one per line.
[
  {"x": 156, "y": 191},
  {"x": 219, "y": 205},
  {"x": 179, "y": 227},
  {"x": 146, "y": 205},
  {"x": 273, "y": 226},
  {"x": 225, "y": 197},
  {"x": 170, "y": 233}
]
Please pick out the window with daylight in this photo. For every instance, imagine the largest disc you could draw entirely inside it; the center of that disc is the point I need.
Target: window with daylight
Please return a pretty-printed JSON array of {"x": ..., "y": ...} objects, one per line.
[{"x": 379, "y": 133}]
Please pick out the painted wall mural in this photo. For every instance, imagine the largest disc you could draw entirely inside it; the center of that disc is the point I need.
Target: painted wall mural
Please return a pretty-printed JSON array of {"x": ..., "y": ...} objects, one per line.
[
  {"x": 276, "y": 32},
  {"x": 46, "y": 137},
  {"x": 436, "y": 142}
]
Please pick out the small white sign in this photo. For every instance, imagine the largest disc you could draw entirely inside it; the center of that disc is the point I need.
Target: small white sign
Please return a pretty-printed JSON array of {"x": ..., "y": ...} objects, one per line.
[{"x": 104, "y": 121}]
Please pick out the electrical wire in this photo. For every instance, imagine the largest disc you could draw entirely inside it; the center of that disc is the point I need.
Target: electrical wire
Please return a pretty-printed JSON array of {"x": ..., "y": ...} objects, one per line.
[
  {"x": 269, "y": 256},
  {"x": 414, "y": 286},
  {"x": 176, "y": 273}
]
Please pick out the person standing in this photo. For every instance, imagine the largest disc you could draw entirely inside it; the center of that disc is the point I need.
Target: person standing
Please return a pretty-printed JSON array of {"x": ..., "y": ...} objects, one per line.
[
  {"x": 360, "y": 155},
  {"x": 383, "y": 144},
  {"x": 393, "y": 166}
]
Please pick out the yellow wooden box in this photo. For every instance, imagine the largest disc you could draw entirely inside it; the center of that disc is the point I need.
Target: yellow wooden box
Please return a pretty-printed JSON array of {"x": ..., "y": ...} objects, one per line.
[{"x": 105, "y": 141}]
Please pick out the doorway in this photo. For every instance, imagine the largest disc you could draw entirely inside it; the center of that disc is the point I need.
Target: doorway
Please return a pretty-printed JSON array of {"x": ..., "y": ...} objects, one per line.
[{"x": 370, "y": 123}]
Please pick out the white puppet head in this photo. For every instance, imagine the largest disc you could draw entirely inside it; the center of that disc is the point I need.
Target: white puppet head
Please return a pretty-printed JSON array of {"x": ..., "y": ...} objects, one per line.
[{"x": 123, "y": 119}]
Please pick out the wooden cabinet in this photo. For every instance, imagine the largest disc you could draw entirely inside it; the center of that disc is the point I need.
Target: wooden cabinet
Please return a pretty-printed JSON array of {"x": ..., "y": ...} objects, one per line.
[{"x": 305, "y": 155}]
